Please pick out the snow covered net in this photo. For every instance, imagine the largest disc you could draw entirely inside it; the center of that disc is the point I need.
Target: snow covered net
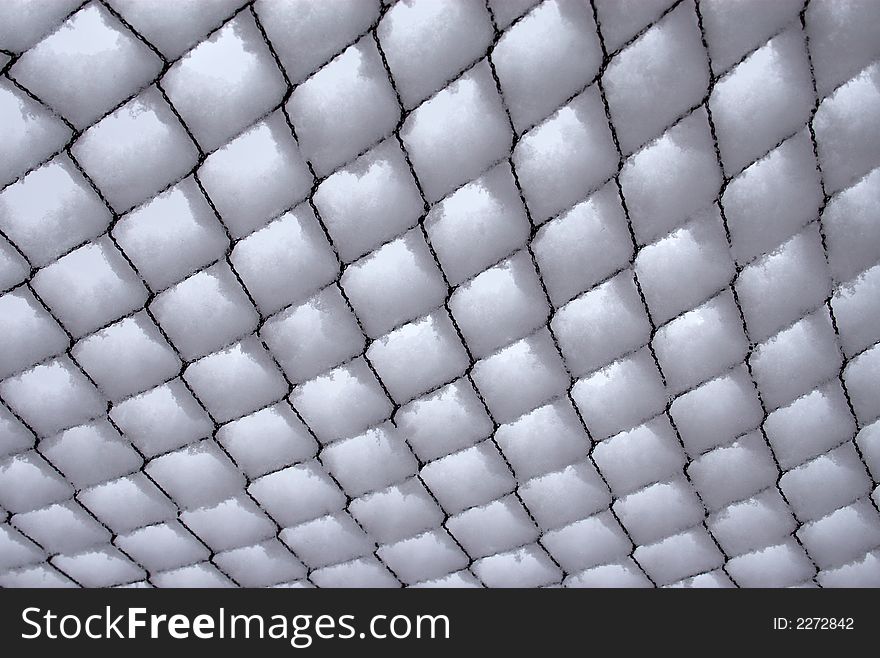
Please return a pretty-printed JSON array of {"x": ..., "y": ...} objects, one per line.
[{"x": 355, "y": 293}]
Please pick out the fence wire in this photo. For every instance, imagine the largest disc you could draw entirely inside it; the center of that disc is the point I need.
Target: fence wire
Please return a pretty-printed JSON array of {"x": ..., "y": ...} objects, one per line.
[{"x": 537, "y": 547}]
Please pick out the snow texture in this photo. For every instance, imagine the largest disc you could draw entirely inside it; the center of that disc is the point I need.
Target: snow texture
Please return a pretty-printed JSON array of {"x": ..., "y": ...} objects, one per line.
[{"x": 439, "y": 293}]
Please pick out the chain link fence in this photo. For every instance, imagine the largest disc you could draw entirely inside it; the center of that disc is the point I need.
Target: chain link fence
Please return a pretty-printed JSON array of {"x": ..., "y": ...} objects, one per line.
[{"x": 443, "y": 293}]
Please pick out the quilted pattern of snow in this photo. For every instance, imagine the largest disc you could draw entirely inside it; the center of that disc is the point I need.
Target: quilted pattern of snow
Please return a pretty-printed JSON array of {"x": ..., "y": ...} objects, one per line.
[{"x": 439, "y": 293}]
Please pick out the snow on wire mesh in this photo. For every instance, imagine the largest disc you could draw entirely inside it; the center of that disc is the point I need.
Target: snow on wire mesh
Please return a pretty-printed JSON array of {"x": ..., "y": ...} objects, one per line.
[{"x": 440, "y": 293}]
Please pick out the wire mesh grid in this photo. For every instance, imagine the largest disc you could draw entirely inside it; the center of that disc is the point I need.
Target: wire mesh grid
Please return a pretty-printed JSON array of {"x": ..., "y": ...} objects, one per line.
[{"x": 529, "y": 558}]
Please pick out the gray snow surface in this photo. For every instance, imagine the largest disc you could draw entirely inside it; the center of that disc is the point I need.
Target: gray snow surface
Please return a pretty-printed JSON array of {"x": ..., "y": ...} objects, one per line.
[{"x": 439, "y": 293}]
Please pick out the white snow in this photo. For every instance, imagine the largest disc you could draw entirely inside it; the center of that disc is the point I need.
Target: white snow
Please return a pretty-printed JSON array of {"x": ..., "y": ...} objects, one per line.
[
  {"x": 861, "y": 381},
  {"x": 504, "y": 12},
  {"x": 857, "y": 311},
  {"x": 756, "y": 522},
  {"x": 701, "y": 344},
  {"x": 356, "y": 462},
  {"x": 14, "y": 437},
  {"x": 13, "y": 267},
  {"x": 127, "y": 503},
  {"x": 205, "y": 311},
  {"x": 796, "y": 359},
  {"x": 53, "y": 396},
  {"x": 444, "y": 421},
  {"x": 659, "y": 510},
  {"x": 419, "y": 356},
  {"x": 172, "y": 235},
  {"x": 654, "y": 81},
  {"x": 203, "y": 575},
  {"x": 645, "y": 454},
  {"x": 784, "y": 285},
  {"x": 848, "y": 149},
  {"x": 526, "y": 567},
  {"x": 91, "y": 454},
  {"x": 587, "y": 543},
  {"x": 27, "y": 482},
  {"x": 28, "y": 133},
  {"x": 546, "y": 439},
  {"x": 621, "y": 395},
  {"x": 623, "y": 573},
  {"x": 364, "y": 106},
  {"x": 136, "y": 151},
  {"x": 162, "y": 419},
  {"x": 561, "y": 161},
  {"x": 267, "y": 440},
  {"x": 842, "y": 39},
  {"x": 686, "y": 267},
  {"x": 23, "y": 23},
  {"x": 868, "y": 440},
  {"x": 430, "y": 555},
  {"x": 773, "y": 83},
  {"x": 369, "y": 201},
  {"x": 583, "y": 246},
  {"x": 679, "y": 556},
  {"x": 197, "y": 475},
  {"x": 734, "y": 29},
  {"x": 621, "y": 20},
  {"x": 545, "y": 58},
  {"x": 457, "y": 134},
  {"x": 256, "y": 176},
  {"x": 363, "y": 572},
  {"x": 306, "y": 34},
  {"x": 478, "y": 224},
  {"x": 90, "y": 287},
  {"x": 560, "y": 497},
  {"x": 178, "y": 25},
  {"x": 826, "y": 483},
  {"x": 17, "y": 549},
  {"x": 521, "y": 376},
  {"x": 261, "y": 565},
  {"x": 286, "y": 261},
  {"x": 237, "y": 380},
  {"x": 396, "y": 283},
  {"x": 162, "y": 546},
  {"x": 852, "y": 228},
  {"x": 671, "y": 178},
  {"x": 234, "y": 74},
  {"x": 310, "y": 338},
  {"x": 602, "y": 325},
  {"x": 415, "y": 317},
  {"x": 862, "y": 572},
  {"x": 30, "y": 334},
  {"x": 298, "y": 494},
  {"x": 50, "y": 211},
  {"x": 127, "y": 357},
  {"x": 503, "y": 304},
  {"x": 773, "y": 198},
  {"x": 842, "y": 536},
  {"x": 459, "y": 579},
  {"x": 716, "y": 412},
  {"x": 233, "y": 523},
  {"x": 342, "y": 402},
  {"x": 400, "y": 511},
  {"x": 102, "y": 567},
  {"x": 456, "y": 33},
  {"x": 37, "y": 576},
  {"x": 734, "y": 472},
  {"x": 328, "y": 540},
  {"x": 87, "y": 67},
  {"x": 472, "y": 477},
  {"x": 498, "y": 526}
]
